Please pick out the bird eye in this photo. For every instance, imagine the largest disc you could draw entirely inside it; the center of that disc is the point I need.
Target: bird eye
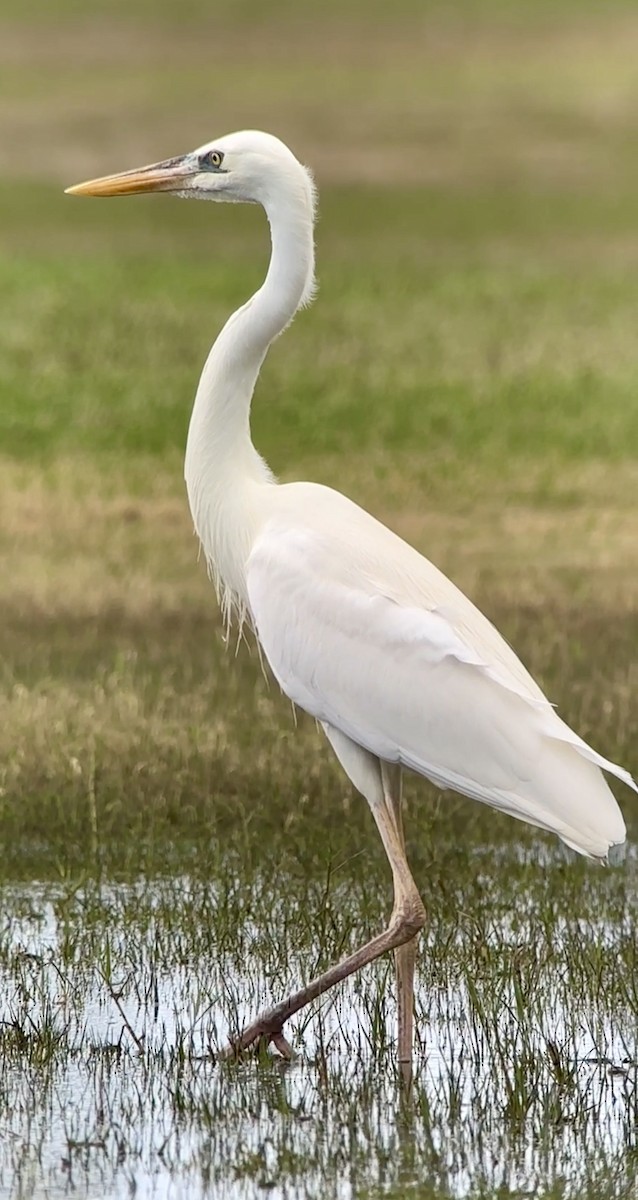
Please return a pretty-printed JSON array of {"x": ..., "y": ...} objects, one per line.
[{"x": 214, "y": 159}]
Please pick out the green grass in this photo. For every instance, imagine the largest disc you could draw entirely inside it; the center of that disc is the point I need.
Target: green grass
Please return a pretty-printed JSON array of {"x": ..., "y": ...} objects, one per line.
[
  {"x": 467, "y": 337},
  {"x": 176, "y": 850}
]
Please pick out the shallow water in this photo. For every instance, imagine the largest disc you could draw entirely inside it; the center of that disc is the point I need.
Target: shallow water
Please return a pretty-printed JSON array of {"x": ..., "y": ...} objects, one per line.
[{"x": 113, "y": 999}]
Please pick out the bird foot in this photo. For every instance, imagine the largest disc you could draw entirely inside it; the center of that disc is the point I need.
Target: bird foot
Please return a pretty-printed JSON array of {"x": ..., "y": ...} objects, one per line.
[{"x": 257, "y": 1038}]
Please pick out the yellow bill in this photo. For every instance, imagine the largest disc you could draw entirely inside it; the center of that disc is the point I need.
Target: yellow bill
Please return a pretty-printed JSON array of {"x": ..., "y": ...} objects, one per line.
[{"x": 165, "y": 176}]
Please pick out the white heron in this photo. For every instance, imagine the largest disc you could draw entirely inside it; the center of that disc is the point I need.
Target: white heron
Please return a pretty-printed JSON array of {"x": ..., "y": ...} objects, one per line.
[{"x": 361, "y": 631}]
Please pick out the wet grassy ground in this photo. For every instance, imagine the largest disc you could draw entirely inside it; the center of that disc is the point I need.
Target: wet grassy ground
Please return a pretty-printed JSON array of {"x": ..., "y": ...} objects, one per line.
[
  {"x": 176, "y": 849},
  {"x": 116, "y": 997}
]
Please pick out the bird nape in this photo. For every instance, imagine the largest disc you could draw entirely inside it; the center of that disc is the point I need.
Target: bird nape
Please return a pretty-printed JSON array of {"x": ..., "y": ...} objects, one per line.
[{"x": 360, "y": 630}]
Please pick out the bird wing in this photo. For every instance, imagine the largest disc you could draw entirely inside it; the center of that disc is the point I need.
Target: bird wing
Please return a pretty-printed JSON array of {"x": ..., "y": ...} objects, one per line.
[{"x": 398, "y": 678}]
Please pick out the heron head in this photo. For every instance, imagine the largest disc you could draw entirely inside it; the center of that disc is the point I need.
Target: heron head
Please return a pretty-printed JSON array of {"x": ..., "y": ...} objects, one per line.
[{"x": 249, "y": 166}]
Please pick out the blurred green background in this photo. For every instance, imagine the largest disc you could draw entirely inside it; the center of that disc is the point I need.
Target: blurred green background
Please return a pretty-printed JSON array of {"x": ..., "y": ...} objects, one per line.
[{"x": 469, "y": 369}]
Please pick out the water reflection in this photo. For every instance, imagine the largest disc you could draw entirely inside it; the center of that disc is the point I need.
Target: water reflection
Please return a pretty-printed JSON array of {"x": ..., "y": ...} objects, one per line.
[{"x": 113, "y": 1003}]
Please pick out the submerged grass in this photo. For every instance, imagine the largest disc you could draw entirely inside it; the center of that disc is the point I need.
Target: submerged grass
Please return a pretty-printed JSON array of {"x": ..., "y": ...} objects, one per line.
[
  {"x": 177, "y": 849},
  {"x": 121, "y": 994}
]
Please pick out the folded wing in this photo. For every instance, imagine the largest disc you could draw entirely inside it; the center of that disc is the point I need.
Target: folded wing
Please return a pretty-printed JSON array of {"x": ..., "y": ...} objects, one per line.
[{"x": 428, "y": 684}]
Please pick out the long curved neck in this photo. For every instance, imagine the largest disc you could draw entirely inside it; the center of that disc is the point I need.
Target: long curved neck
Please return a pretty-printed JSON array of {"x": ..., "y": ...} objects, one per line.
[{"x": 221, "y": 461}]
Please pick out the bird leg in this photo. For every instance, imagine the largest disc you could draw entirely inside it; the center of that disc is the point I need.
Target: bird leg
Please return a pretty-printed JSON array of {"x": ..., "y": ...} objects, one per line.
[
  {"x": 408, "y": 917},
  {"x": 404, "y": 955},
  {"x": 404, "y": 964}
]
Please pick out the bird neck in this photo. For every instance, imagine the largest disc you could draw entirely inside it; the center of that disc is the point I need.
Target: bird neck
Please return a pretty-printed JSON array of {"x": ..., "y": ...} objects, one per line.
[{"x": 223, "y": 469}]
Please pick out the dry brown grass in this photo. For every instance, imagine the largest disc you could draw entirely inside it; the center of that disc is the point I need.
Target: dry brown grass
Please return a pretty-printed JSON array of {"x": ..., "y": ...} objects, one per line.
[
  {"x": 435, "y": 98},
  {"x": 79, "y": 543},
  {"x": 119, "y": 697}
]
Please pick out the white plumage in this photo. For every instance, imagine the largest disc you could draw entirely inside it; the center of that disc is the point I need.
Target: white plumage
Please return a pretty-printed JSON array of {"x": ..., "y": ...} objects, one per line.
[
  {"x": 360, "y": 630},
  {"x": 368, "y": 636}
]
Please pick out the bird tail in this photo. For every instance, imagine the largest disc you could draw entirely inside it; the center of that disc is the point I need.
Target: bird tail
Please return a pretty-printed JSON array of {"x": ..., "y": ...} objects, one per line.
[{"x": 601, "y": 826}]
